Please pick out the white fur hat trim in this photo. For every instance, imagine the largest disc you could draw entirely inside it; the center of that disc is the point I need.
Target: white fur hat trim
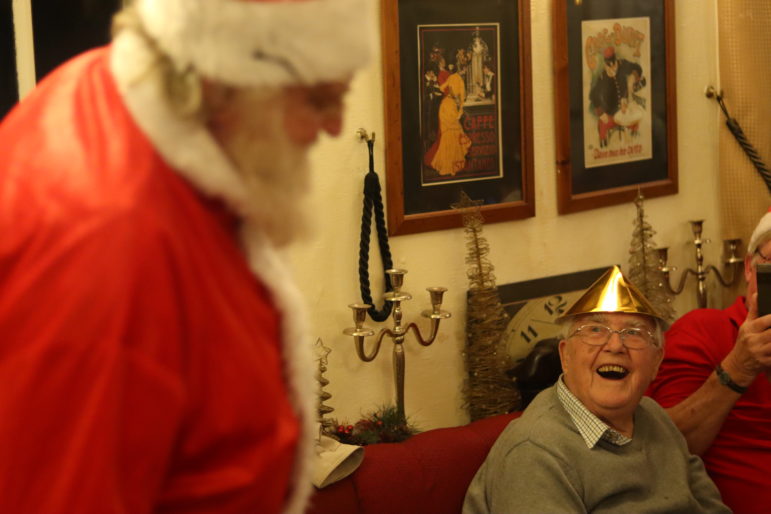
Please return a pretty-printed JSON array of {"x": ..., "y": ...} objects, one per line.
[
  {"x": 262, "y": 43},
  {"x": 761, "y": 233}
]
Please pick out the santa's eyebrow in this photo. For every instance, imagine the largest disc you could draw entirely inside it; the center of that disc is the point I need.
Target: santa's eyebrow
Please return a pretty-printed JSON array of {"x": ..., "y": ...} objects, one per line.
[{"x": 281, "y": 61}]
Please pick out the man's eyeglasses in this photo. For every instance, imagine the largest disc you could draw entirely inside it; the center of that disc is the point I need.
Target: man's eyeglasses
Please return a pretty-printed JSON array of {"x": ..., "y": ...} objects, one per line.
[
  {"x": 763, "y": 257},
  {"x": 597, "y": 335}
]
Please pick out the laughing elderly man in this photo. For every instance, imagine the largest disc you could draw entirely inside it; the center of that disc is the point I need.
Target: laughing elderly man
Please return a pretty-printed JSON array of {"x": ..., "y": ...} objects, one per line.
[{"x": 592, "y": 443}]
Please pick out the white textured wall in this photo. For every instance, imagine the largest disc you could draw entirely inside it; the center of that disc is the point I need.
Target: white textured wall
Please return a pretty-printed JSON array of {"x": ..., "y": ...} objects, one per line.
[
  {"x": 23, "y": 40},
  {"x": 547, "y": 244}
]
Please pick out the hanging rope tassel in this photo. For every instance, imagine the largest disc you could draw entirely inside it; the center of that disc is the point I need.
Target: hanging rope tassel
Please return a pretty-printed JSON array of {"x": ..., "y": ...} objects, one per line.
[
  {"x": 373, "y": 202},
  {"x": 752, "y": 153}
]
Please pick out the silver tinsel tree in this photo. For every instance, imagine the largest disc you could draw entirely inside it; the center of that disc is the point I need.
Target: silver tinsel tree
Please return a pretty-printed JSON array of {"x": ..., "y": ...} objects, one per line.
[
  {"x": 644, "y": 270},
  {"x": 487, "y": 390},
  {"x": 327, "y": 425}
]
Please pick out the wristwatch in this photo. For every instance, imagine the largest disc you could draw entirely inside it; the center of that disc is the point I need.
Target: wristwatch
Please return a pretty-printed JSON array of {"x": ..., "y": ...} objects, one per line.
[{"x": 727, "y": 381}]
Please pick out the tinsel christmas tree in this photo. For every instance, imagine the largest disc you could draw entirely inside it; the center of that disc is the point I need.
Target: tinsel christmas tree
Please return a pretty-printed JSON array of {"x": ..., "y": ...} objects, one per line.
[
  {"x": 322, "y": 352},
  {"x": 488, "y": 390},
  {"x": 644, "y": 270},
  {"x": 382, "y": 426}
]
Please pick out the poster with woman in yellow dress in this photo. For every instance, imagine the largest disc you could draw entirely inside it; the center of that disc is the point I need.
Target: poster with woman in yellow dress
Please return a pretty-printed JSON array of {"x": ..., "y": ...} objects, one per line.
[
  {"x": 460, "y": 109},
  {"x": 448, "y": 156}
]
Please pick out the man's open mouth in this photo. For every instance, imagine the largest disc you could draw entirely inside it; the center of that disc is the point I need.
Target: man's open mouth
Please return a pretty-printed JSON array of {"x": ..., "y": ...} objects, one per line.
[{"x": 612, "y": 372}]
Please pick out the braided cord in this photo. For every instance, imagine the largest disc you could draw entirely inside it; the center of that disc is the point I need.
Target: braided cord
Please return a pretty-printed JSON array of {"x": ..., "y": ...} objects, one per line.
[
  {"x": 373, "y": 202},
  {"x": 752, "y": 153}
]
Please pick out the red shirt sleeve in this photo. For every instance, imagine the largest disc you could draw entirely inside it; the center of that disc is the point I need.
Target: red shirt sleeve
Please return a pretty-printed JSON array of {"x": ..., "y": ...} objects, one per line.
[{"x": 694, "y": 345}]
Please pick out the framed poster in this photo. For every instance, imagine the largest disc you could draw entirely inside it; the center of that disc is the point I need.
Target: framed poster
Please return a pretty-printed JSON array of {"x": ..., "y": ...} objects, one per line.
[
  {"x": 534, "y": 305},
  {"x": 615, "y": 102},
  {"x": 458, "y": 111}
]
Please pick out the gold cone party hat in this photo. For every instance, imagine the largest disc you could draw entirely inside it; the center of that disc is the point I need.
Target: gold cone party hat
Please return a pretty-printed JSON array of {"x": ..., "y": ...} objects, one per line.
[{"x": 612, "y": 293}]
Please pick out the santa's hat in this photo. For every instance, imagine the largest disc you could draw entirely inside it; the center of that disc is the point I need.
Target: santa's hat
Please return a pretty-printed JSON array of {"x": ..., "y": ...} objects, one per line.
[
  {"x": 761, "y": 234},
  {"x": 262, "y": 42}
]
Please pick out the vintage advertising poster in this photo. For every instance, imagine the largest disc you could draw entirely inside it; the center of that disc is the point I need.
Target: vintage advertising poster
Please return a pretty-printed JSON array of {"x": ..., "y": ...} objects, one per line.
[
  {"x": 460, "y": 122},
  {"x": 616, "y": 91}
]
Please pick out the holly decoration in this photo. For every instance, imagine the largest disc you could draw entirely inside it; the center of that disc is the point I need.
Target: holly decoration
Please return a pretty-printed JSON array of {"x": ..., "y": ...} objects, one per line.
[{"x": 381, "y": 426}]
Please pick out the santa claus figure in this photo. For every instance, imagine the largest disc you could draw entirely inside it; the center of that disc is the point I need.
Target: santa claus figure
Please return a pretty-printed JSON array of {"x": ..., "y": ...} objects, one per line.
[{"x": 152, "y": 353}]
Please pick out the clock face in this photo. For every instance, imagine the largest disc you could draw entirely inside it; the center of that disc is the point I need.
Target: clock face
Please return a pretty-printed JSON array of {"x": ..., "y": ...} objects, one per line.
[
  {"x": 533, "y": 320},
  {"x": 534, "y": 305}
]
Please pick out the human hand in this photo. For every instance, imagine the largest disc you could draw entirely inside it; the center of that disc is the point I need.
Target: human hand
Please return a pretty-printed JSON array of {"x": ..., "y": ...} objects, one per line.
[
  {"x": 751, "y": 353},
  {"x": 604, "y": 117}
]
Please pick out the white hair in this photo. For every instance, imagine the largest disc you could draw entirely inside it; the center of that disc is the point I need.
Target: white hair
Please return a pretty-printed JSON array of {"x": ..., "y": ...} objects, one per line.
[
  {"x": 182, "y": 86},
  {"x": 248, "y": 123}
]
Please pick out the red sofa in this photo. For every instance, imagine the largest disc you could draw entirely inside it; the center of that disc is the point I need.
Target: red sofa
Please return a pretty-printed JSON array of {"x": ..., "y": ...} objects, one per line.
[{"x": 428, "y": 473}]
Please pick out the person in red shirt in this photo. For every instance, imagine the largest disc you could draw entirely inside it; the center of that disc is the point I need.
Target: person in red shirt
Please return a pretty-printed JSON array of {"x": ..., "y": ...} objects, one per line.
[
  {"x": 153, "y": 354},
  {"x": 714, "y": 384}
]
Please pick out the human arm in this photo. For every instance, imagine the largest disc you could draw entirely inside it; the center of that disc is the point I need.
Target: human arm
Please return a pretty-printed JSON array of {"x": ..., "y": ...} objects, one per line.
[
  {"x": 595, "y": 95},
  {"x": 632, "y": 75},
  {"x": 700, "y": 414},
  {"x": 455, "y": 88}
]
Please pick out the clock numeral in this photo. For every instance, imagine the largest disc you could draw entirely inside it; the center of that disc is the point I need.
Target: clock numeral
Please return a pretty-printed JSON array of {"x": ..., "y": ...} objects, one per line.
[
  {"x": 528, "y": 334},
  {"x": 555, "y": 305}
]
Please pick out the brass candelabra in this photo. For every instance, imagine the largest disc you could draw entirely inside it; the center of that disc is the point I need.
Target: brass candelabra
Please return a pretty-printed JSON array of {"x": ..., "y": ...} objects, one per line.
[
  {"x": 398, "y": 332},
  {"x": 732, "y": 262}
]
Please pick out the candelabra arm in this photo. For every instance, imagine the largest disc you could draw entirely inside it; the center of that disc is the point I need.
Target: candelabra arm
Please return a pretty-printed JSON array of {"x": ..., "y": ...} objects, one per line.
[
  {"x": 435, "y": 314},
  {"x": 419, "y": 336},
  {"x": 398, "y": 332},
  {"x": 681, "y": 285},
  {"x": 359, "y": 341},
  {"x": 726, "y": 283},
  {"x": 732, "y": 260},
  {"x": 399, "y": 369}
]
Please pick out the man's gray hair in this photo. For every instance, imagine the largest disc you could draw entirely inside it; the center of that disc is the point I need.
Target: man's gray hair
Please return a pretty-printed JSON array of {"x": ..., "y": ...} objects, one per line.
[
  {"x": 761, "y": 234},
  {"x": 756, "y": 244}
]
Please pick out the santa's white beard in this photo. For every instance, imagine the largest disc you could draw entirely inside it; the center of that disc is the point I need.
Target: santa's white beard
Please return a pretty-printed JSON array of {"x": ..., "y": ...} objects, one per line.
[{"x": 274, "y": 169}]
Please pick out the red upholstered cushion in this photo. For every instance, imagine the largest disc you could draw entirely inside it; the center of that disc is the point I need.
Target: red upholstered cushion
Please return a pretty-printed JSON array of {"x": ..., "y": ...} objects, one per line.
[
  {"x": 429, "y": 472},
  {"x": 338, "y": 498}
]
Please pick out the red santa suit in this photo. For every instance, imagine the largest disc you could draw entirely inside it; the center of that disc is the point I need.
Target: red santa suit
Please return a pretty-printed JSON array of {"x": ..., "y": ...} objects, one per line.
[{"x": 146, "y": 364}]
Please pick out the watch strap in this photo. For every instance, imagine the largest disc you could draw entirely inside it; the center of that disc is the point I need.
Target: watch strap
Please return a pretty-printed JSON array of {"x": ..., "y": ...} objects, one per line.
[{"x": 727, "y": 381}]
